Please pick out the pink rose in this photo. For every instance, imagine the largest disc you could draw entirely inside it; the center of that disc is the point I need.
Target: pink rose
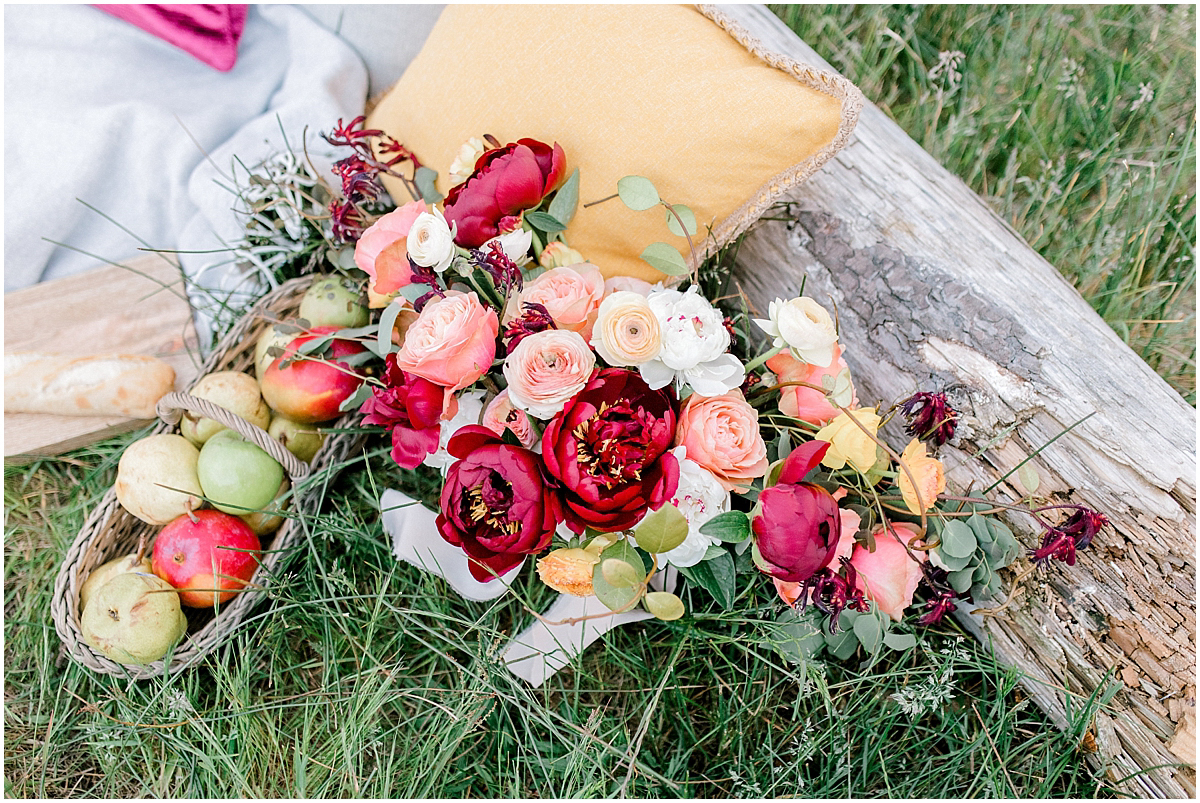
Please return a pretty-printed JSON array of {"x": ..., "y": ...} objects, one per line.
[
  {"x": 721, "y": 434},
  {"x": 501, "y": 415},
  {"x": 546, "y": 369},
  {"x": 616, "y": 284},
  {"x": 807, "y": 404},
  {"x": 571, "y": 295},
  {"x": 452, "y": 342},
  {"x": 888, "y": 575},
  {"x": 382, "y": 251}
]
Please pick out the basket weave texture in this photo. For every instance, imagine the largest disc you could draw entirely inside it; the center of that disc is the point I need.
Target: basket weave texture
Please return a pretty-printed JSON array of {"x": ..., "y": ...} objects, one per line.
[{"x": 111, "y": 532}]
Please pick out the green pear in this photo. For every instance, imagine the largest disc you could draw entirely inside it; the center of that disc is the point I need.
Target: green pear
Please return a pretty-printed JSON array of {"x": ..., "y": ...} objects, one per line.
[
  {"x": 134, "y": 618},
  {"x": 334, "y": 301},
  {"x": 268, "y": 520},
  {"x": 102, "y": 574},
  {"x": 236, "y": 392},
  {"x": 156, "y": 478},
  {"x": 237, "y": 476},
  {"x": 279, "y": 336}
]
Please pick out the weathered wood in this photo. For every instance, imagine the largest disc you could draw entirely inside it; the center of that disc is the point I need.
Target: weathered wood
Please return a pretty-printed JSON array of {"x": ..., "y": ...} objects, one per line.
[
  {"x": 933, "y": 290},
  {"x": 136, "y": 309}
]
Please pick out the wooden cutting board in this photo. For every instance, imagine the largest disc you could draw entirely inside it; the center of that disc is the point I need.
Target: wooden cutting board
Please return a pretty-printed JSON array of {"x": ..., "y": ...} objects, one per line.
[{"x": 138, "y": 308}]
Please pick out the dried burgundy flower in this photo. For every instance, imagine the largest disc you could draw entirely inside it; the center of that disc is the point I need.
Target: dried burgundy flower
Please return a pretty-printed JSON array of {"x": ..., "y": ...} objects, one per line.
[
  {"x": 536, "y": 318},
  {"x": 832, "y": 593},
  {"x": 1075, "y": 533},
  {"x": 941, "y": 596},
  {"x": 495, "y": 261},
  {"x": 930, "y": 417}
]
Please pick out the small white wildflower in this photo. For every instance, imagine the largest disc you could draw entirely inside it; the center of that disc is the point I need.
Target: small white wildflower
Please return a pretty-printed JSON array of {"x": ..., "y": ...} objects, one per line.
[
  {"x": 1145, "y": 95},
  {"x": 945, "y": 74},
  {"x": 178, "y": 705},
  {"x": 1070, "y": 83}
]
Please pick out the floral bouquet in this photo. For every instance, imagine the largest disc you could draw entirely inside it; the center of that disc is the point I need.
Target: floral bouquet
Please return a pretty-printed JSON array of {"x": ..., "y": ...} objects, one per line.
[{"x": 619, "y": 433}]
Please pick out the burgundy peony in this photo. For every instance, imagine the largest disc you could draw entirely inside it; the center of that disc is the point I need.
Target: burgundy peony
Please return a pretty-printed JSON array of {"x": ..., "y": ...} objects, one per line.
[
  {"x": 506, "y": 182},
  {"x": 797, "y": 530},
  {"x": 609, "y": 451},
  {"x": 496, "y": 504},
  {"x": 411, "y": 408}
]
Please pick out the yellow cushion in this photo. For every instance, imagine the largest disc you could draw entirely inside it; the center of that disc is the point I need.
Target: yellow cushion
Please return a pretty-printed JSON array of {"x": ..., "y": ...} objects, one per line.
[{"x": 660, "y": 91}]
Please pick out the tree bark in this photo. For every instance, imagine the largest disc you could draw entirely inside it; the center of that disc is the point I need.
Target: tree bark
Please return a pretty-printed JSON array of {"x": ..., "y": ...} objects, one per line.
[{"x": 934, "y": 291}]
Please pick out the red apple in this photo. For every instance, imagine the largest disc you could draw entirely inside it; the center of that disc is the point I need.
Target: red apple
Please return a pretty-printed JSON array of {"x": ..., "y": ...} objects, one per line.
[
  {"x": 216, "y": 551},
  {"x": 311, "y": 390}
]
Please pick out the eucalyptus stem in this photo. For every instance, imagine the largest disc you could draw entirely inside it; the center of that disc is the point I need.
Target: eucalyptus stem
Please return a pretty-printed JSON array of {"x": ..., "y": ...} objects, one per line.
[{"x": 762, "y": 358}]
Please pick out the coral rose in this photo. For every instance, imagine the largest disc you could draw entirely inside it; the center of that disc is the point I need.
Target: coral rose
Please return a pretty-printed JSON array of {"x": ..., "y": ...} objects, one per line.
[
  {"x": 721, "y": 434},
  {"x": 501, "y": 415},
  {"x": 810, "y": 404},
  {"x": 889, "y": 576},
  {"x": 382, "y": 252},
  {"x": 627, "y": 332},
  {"x": 546, "y": 369},
  {"x": 927, "y": 471},
  {"x": 452, "y": 342},
  {"x": 571, "y": 295},
  {"x": 847, "y": 441}
]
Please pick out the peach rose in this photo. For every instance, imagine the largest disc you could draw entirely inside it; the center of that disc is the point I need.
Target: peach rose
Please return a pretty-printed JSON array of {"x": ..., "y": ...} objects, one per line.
[
  {"x": 501, "y": 415},
  {"x": 627, "y": 331},
  {"x": 571, "y": 294},
  {"x": 888, "y": 575},
  {"x": 847, "y": 441},
  {"x": 721, "y": 434},
  {"x": 809, "y": 404},
  {"x": 382, "y": 252},
  {"x": 546, "y": 369},
  {"x": 453, "y": 341},
  {"x": 927, "y": 471}
]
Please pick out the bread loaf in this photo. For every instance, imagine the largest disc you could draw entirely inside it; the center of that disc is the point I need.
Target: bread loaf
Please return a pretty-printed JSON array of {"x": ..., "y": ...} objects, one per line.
[{"x": 123, "y": 385}]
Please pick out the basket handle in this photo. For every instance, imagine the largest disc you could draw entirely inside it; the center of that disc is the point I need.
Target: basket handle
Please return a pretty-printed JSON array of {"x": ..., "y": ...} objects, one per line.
[{"x": 171, "y": 407}]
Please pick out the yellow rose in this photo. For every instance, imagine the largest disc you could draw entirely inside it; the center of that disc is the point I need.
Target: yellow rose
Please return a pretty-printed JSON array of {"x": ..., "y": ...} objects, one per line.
[
  {"x": 848, "y": 443},
  {"x": 928, "y": 473}
]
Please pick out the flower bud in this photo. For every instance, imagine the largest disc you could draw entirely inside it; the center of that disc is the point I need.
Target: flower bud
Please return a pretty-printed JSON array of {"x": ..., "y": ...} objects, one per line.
[{"x": 557, "y": 255}]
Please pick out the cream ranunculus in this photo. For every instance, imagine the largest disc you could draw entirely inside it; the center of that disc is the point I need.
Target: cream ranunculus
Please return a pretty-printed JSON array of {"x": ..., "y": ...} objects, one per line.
[
  {"x": 802, "y": 326},
  {"x": 431, "y": 242},
  {"x": 546, "y": 369},
  {"x": 626, "y": 332},
  {"x": 847, "y": 441},
  {"x": 464, "y": 161}
]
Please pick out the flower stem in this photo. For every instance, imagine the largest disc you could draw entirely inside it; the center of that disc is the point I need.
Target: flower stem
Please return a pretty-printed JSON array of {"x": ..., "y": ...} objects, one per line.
[{"x": 762, "y": 358}]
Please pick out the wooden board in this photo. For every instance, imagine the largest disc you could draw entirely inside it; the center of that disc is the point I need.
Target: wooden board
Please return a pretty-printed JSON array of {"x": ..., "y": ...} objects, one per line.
[
  {"x": 933, "y": 290},
  {"x": 136, "y": 309}
]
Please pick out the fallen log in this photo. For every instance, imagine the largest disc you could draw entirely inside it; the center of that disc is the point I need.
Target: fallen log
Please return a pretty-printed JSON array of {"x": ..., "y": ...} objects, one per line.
[{"x": 933, "y": 290}]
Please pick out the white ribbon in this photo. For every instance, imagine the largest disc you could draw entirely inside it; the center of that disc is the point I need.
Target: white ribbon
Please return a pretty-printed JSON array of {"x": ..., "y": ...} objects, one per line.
[{"x": 541, "y": 649}]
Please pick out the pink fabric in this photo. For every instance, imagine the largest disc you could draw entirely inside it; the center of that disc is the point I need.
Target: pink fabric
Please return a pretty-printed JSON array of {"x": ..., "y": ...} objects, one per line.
[{"x": 208, "y": 32}]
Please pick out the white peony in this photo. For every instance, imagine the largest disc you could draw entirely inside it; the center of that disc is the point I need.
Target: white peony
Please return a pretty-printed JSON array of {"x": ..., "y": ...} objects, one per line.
[
  {"x": 699, "y": 498},
  {"x": 470, "y": 409},
  {"x": 695, "y": 345},
  {"x": 431, "y": 242},
  {"x": 802, "y": 326}
]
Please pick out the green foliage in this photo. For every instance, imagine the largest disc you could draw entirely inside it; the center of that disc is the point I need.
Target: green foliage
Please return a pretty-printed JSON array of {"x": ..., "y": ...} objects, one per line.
[
  {"x": 425, "y": 179},
  {"x": 661, "y": 530},
  {"x": 566, "y": 199},
  {"x": 638, "y": 193},
  {"x": 665, "y": 258},
  {"x": 1075, "y": 123}
]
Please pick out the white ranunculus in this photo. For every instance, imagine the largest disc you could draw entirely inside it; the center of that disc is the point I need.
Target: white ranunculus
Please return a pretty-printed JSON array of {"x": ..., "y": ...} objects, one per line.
[
  {"x": 695, "y": 345},
  {"x": 431, "y": 242},
  {"x": 516, "y": 245},
  {"x": 699, "y": 498},
  {"x": 802, "y": 326},
  {"x": 464, "y": 161},
  {"x": 470, "y": 409}
]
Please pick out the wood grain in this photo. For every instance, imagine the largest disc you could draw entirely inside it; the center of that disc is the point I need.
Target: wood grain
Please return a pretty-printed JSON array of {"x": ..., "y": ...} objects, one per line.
[
  {"x": 138, "y": 308},
  {"x": 935, "y": 291}
]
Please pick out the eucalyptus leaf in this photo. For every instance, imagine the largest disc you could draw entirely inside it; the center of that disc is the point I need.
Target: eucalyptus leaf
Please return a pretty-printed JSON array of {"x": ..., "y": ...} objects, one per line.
[
  {"x": 1029, "y": 478},
  {"x": 797, "y": 637},
  {"x": 544, "y": 222},
  {"x": 900, "y": 641},
  {"x": 664, "y": 605},
  {"x": 662, "y": 530},
  {"x": 962, "y": 580},
  {"x": 387, "y": 323},
  {"x": 783, "y": 446},
  {"x": 842, "y": 644},
  {"x": 869, "y": 631},
  {"x": 356, "y": 399},
  {"x": 566, "y": 200},
  {"x": 732, "y": 527},
  {"x": 614, "y": 598},
  {"x": 665, "y": 258},
  {"x": 413, "y": 291},
  {"x": 637, "y": 192},
  {"x": 317, "y": 344},
  {"x": 686, "y": 215},
  {"x": 958, "y": 540},
  {"x": 619, "y": 574},
  {"x": 951, "y": 563},
  {"x": 979, "y": 526},
  {"x": 426, "y": 180}
]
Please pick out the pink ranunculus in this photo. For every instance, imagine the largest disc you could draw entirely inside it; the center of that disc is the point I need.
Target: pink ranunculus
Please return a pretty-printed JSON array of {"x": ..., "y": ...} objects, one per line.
[
  {"x": 571, "y": 294},
  {"x": 506, "y": 182},
  {"x": 501, "y": 415},
  {"x": 888, "y": 575},
  {"x": 721, "y": 433},
  {"x": 807, "y": 404},
  {"x": 382, "y": 251},
  {"x": 453, "y": 341},
  {"x": 546, "y": 369},
  {"x": 616, "y": 284}
]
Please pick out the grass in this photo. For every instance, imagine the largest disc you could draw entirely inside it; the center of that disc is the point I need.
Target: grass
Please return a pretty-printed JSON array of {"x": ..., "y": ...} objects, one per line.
[
  {"x": 1076, "y": 123},
  {"x": 364, "y": 678}
]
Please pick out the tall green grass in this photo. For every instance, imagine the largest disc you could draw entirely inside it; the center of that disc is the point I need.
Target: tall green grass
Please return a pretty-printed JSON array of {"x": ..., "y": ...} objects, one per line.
[{"x": 1076, "y": 123}]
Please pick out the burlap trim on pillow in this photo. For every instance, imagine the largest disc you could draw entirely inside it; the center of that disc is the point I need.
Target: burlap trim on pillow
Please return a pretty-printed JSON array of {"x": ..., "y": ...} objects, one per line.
[{"x": 820, "y": 80}]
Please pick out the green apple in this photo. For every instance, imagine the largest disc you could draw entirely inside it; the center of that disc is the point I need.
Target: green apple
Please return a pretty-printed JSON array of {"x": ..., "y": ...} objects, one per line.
[
  {"x": 236, "y": 475},
  {"x": 134, "y": 618},
  {"x": 334, "y": 301},
  {"x": 156, "y": 478},
  {"x": 302, "y": 440},
  {"x": 236, "y": 392},
  {"x": 102, "y": 574}
]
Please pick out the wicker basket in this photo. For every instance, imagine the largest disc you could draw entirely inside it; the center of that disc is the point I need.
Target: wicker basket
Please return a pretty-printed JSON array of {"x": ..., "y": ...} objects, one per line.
[{"x": 110, "y": 531}]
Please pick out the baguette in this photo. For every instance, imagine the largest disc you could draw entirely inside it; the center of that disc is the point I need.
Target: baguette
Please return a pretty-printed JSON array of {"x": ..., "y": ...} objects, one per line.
[{"x": 124, "y": 385}]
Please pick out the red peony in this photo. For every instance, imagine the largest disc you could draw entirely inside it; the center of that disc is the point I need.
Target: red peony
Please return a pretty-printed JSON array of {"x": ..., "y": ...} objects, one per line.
[
  {"x": 411, "y": 408},
  {"x": 609, "y": 451},
  {"x": 797, "y": 529},
  {"x": 496, "y": 504},
  {"x": 506, "y": 182}
]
